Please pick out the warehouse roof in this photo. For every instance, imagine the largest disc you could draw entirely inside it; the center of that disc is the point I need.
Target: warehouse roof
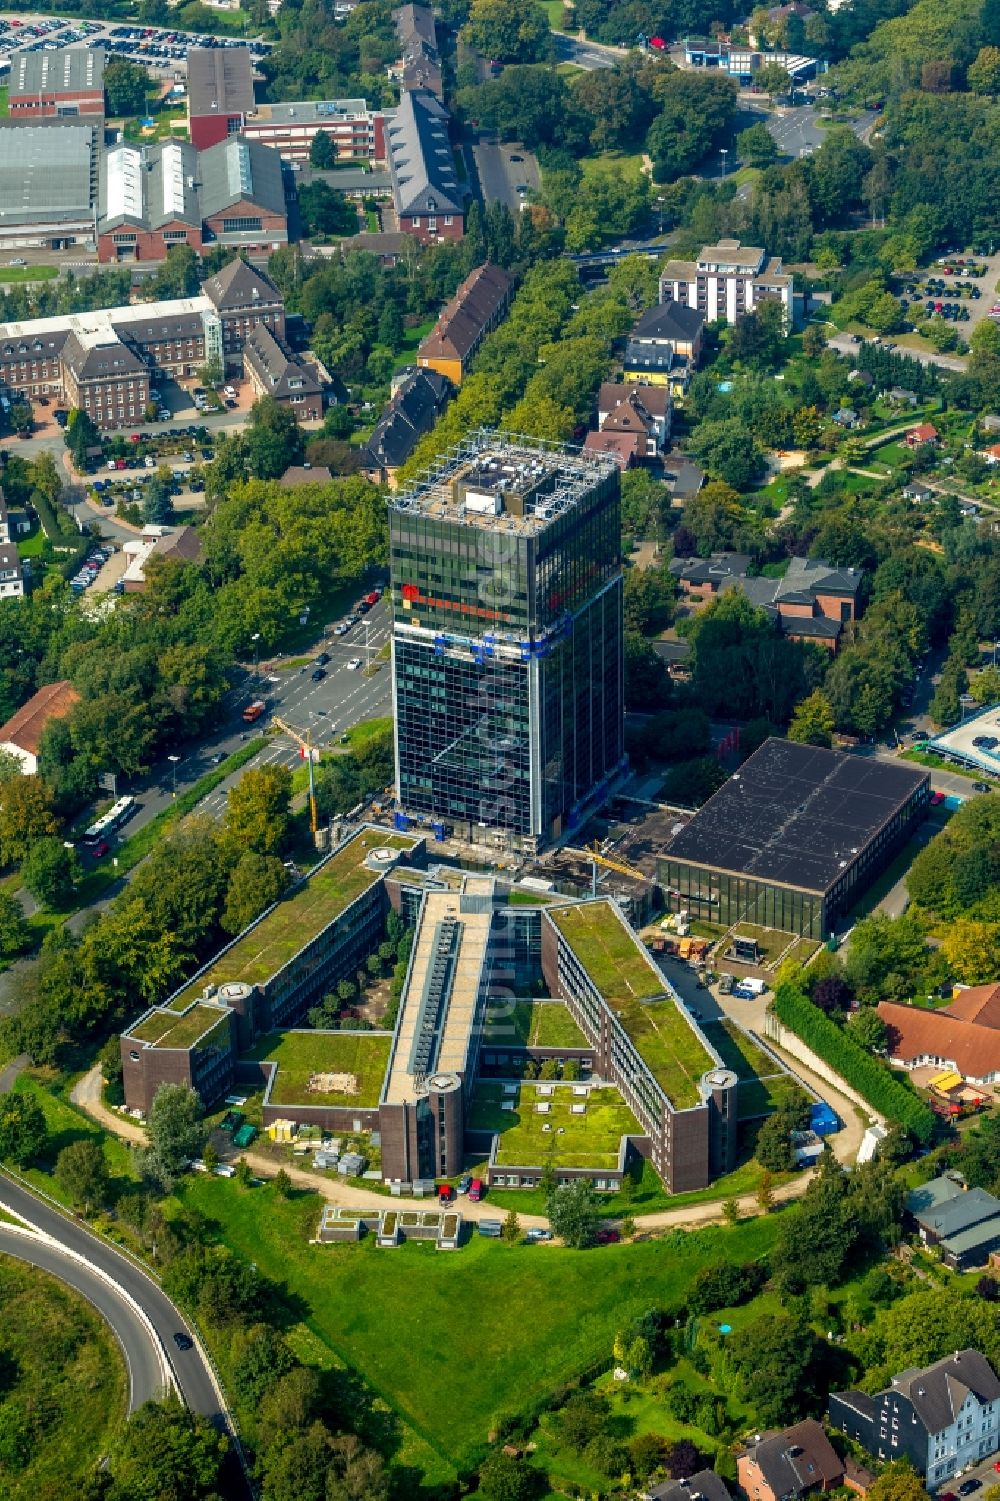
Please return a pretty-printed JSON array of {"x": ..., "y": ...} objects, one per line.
[
  {"x": 796, "y": 814},
  {"x": 149, "y": 186},
  {"x": 236, "y": 171},
  {"x": 45, "y": 172},
  {"x": 67, "y": 70},
  {"x": 220, "y": 81}
]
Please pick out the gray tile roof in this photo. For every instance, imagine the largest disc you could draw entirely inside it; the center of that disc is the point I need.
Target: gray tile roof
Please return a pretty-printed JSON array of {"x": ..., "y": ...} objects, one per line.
[
  {"x": 237, "y": 169},
  {"x": 930, "y": 1195},
  {"x": 420, "y": 159},
  {"x": 280, "y": 371},
  {"x": 671, "y": 320},
  {"x": 410, "y": 414},
  {"x": 958, "y": 1213},
  {"x": 239, "y": 286},
  {"x": 799, "y": 1459},
  {"x": 938, "y": 1391},
  {"x": 705, "y": 1486},
  {"x": 100, "y": 361}
]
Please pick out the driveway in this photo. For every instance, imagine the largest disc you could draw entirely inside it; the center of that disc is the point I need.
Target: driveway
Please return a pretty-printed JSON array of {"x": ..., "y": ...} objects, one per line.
[{"x": 502, "y": 169}]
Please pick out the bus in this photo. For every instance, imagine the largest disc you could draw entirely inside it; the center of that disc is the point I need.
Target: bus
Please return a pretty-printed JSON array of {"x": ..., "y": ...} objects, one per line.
[{"x": 110, "y": 821}]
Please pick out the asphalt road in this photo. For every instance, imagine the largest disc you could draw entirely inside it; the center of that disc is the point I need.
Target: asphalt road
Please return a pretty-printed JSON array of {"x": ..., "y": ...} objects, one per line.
[
  {"x": 589, "y": 55},
  {"x": 500, "y": 175},
  {"x": 797, "y": 130},
  {"x": 190, "y": 1368},
  {"x": 143, "y": 1359}
]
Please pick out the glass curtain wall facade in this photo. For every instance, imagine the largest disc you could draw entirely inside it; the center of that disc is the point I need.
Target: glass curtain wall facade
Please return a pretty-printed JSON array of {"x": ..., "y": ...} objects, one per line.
[
  {"x": 508, "y": 663},
  {"x": 723, "y": 897}
]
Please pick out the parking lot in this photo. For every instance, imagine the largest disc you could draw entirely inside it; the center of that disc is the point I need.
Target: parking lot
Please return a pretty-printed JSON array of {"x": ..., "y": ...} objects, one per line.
[{"x": 158, "y": 48}]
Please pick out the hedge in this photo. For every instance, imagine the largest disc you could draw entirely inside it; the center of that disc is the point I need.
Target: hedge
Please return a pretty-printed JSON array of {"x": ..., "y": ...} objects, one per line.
[{"x": 865, "y": 1073}]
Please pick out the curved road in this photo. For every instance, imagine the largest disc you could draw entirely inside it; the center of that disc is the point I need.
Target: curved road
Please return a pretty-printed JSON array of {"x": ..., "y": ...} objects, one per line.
[
  {"x": 143, "y": 1357},
  {"x": 190, "y": 1369}
]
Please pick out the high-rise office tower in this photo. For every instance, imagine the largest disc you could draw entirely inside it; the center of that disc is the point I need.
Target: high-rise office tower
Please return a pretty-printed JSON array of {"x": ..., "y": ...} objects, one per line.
[{"x": 507, "y": 639}]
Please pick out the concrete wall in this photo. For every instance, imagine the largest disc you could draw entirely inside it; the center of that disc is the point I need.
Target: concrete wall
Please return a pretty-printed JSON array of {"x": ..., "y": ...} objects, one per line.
[{"x": 775, "y": 1032}]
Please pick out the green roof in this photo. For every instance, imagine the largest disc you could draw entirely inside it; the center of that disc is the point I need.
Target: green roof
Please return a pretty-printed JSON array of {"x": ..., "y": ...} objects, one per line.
[
  {"x": 539, "y": 1024},
  {"x": 310, "y": 908},
  {"x": 303, "y": 1057},
  {"x": 164, "y": 1029},
  {"x": 591, "y": 1139},
  {"x": 620, "y": 969}
]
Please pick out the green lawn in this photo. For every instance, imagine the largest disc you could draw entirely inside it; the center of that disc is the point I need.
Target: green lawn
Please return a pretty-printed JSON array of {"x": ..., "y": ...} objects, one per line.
[
  {"x": 4, "y": 106},
  {"x": 296, "y": 920},
  {"x": 411, "y": 338},
  {"x": 763, "y": 1086},
  {"x": 67, "y": 1389},
  {"x": 621, "y": 163},
  {"x": 540, "y": 1024},
  {"x": 415, "y": 1325},
  {"x": 622, "y": 971},
  {"x": 556, "y": 11},
  {"x": 28, "y": 273},
  {"x": 66, "y": 1124},
  {"x": 301, "y": 1056},
  {"x": 530, "y": 1137}
]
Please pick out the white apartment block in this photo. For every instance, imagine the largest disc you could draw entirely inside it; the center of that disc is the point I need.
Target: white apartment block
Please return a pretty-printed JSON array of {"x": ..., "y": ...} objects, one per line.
[{"x": 727, "y": 281}]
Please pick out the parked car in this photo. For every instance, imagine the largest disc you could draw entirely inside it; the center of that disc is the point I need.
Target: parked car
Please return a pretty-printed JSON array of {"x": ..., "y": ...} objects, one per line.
[
  {"x": 476, "y": 1190},
  {"x": 465, "y": 1183},
  {"x": 726, "y": 983},
  {"x": 982, "y": 787},
  {"x": 968, "y": 1486},
  {"x": 607, "y": 1237},
  {"x": 537, "y": 1234},
  {"x": 446, "y": 1194}
]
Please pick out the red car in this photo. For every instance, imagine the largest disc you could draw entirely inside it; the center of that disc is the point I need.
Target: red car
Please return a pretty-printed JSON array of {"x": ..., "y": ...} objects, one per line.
[
  {"x": 475, "y": 1190},
  {"x": 607, "y": 1237},
  {"x": 937, "y": 798},
  {"x": 373, "y": 598},
  {"x": 658, "y": 43},
  {"x": 100, "y": 850},
  {"x": 120, "y": 464},
  {"x": 446, "y": 1194},
  {"x": 135, "y": 437}
]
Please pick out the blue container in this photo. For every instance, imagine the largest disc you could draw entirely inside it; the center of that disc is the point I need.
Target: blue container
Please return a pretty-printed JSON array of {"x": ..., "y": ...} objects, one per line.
[{"x": 823, "y": 1120}]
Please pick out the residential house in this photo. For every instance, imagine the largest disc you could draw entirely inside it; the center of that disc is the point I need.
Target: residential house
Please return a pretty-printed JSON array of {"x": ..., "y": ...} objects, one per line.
[
  {"x": 417, "y": 402},
  {"x": 682, "y": 476},
  {"x": 13, "y": 524},
  {"x": 705, "y": 1486},
  {"x": 812, "y": 602},
  {"x": 11, "y": 572},
  {"x": 784, "y": 1466},
  {"x": 664, "y": 347},
  {"x": 992, "y": 453},
  {"x": 427, "y": 196},
  {"x": 728, "y": 281},
  {"x": 387, "y": 247},
  {"x": 419, "y": 65},
  {"x": 846, "y": 417},
  {"x": 901, "y": 396},
  {"x": 861, "y": 378},
  {"x": 924, "y": 432},
  {"x": 476, "y": 309},
  {"x": 627, "y": 449},
  {"x": 273, "y": 370},
  {"x": 915, "y": 491},
  {"x": 178, "y": 544},
  {"x": 305, "y": 474},
  {"x": 990, "y": 423},
  {"x": 636, "y": 408},
  {"x": 941, "y": 1418},
  {"x": 22, "y": 733},
  {"x": 964, "y": 1036}
]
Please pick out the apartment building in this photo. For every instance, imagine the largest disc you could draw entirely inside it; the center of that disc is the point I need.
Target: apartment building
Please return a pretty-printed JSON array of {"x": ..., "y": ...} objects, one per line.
[
  {"x": 477, "y": 308},
  {"x": 356, "y": 132},
  {"x": 427, "y": 196},
  {"x": 60, "y": 84},
  {"x": 418, "y": 399},
  {"x": 941, "y": 1418},
  {"x": 728, "y": 281},
  {"x": 419, "y": 64},
  {"x": 274, "y": 371},
  {"x": 11, "y": 572}
]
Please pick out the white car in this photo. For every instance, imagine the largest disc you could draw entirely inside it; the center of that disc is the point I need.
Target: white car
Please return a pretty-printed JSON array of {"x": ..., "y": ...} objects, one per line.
[
  {"x": 20, "y": 261},
  {"x": 229, "y": 391},
  {"x": 149, "y": 461},
  {"x": 354, "y": 665},
  {"x": 341, "y": 629}
]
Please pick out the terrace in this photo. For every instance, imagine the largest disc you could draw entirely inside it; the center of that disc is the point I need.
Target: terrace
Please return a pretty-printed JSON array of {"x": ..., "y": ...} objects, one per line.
[
  {"x": 325, "y": 1068},
  {"x": 163, "y": 1029},
  {"x": 266, "y": 947},
  {"x": 556, "y": 1136},
  {"x": 668, "y": 1043}
]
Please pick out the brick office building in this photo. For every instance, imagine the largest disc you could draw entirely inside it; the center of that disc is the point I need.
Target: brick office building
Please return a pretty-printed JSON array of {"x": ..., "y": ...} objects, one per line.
[
  {"x": 220, "y": 93},
  {"x": 107, "y": 380},
  {"x": 356, "y": 132},
  {"x": 274, "y": 371},
  {"x": 244, "y": 297},
  {"x": 60, "y": 84}
]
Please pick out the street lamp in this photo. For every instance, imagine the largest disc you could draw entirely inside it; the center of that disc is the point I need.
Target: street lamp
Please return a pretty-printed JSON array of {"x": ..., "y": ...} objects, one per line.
[
  {"x": 173, "y": 767},
  {"x": 255, "y": 638},
  {"x": 724, "y": 153},
  {"x": 659, "y": 205}
]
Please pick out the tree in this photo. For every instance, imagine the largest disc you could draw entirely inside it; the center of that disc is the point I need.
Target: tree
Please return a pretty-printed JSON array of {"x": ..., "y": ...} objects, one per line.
[
  {"x": 773, "y": 1149},
  {"x": 511, "y": 1228},
  {"x": 972, "y": 949},
  {"x": 282, "y": 1184},
  {"x": 176, "y": 1132},
  {"x": 167, "y": 1454},
  {"x": 685, "y": 1459},
  {"x": 774, "y": 1363},
  {"x": 25, "y": 815},
  {"x": 15, "y": 934},
  {"x": 273, "y": 439},
  {"x": 504, "y": 1478},
  {"x": 126, "y": 86},
  {"x": 257, "y": 813},
  {"x": 513, "y": 31},
  {"x": 322, "y": 151},
  {"x": 728, "y": 452},
  {"x": 765, "y": 1194},
  {"x": 83, "y": 1172},
  {"x": 573, "y": 1213},
  {"x": 983, "y": 74},
  {"x": 256, "y": 882},
  {"x": 23, "y": 1132},
  {"x": 898, "y": 1482},
  {"x": 773, "y": 79},
  {"x": 756, "y": 146},
  {"x": 325, "y": 211},
  {"x": 51, "y": 872},
  {"x": 831, "y": 993},
  {"x": 731, "y": 1212},
  {"x": 868, "y": 1029},
  {"x": 813, "y": 722},
  {"x": 260, "y": 1357}
]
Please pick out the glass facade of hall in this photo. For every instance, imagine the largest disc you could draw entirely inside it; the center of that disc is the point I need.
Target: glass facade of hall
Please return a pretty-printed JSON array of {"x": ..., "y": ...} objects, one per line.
[
  {"x": 719, "y": 896},
  {"x": 508, "y": 665}
]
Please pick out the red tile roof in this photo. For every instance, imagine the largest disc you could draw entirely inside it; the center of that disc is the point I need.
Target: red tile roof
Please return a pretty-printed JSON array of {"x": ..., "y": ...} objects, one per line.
[
  {"x": 626, "y": 447},
  {"x": 924, "y": 432},
  {"x": 980, "y": 1003},
  {"x": 24, "y": 729},
  {"x": 917, "y": 1032}
]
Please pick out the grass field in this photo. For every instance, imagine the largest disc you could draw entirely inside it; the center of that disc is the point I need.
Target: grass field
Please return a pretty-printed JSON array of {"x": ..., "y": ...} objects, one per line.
[
  {"x": 66, "y": 1124},
  {"x": 415, "y": 1324},
  {"x": 67, "y": 1397},
  {"x": 28, "y": 273},
  {"x": 411, "y": 338},
  {"x": 530, "y": 1137},
  {"x": 540, "y": 1024},
  {"x": 301, "y": 1055}
]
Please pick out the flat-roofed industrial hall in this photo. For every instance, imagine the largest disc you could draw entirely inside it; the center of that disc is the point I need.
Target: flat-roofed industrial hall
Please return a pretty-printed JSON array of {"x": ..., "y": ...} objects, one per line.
[{"x": 794, "y": 838}]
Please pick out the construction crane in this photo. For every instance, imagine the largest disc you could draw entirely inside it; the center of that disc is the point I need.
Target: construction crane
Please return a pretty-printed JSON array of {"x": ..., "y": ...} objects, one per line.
[
  {"x": 593, "y": 854},
  {"x": 303, "y": 740}
]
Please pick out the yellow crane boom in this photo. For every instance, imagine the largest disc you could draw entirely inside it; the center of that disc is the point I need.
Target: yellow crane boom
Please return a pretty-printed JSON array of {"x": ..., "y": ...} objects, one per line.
[
  {"x": 593, "y": 853},
  {"x": 302, "y": 738}
]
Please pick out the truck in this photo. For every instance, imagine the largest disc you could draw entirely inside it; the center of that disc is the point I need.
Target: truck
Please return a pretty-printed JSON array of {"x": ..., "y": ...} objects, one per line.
[{"x": 253, "y": 711}]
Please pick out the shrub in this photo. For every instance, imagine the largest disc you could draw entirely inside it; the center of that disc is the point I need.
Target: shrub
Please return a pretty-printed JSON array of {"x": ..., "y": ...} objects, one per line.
[{"x": 868, "y": 1075}]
